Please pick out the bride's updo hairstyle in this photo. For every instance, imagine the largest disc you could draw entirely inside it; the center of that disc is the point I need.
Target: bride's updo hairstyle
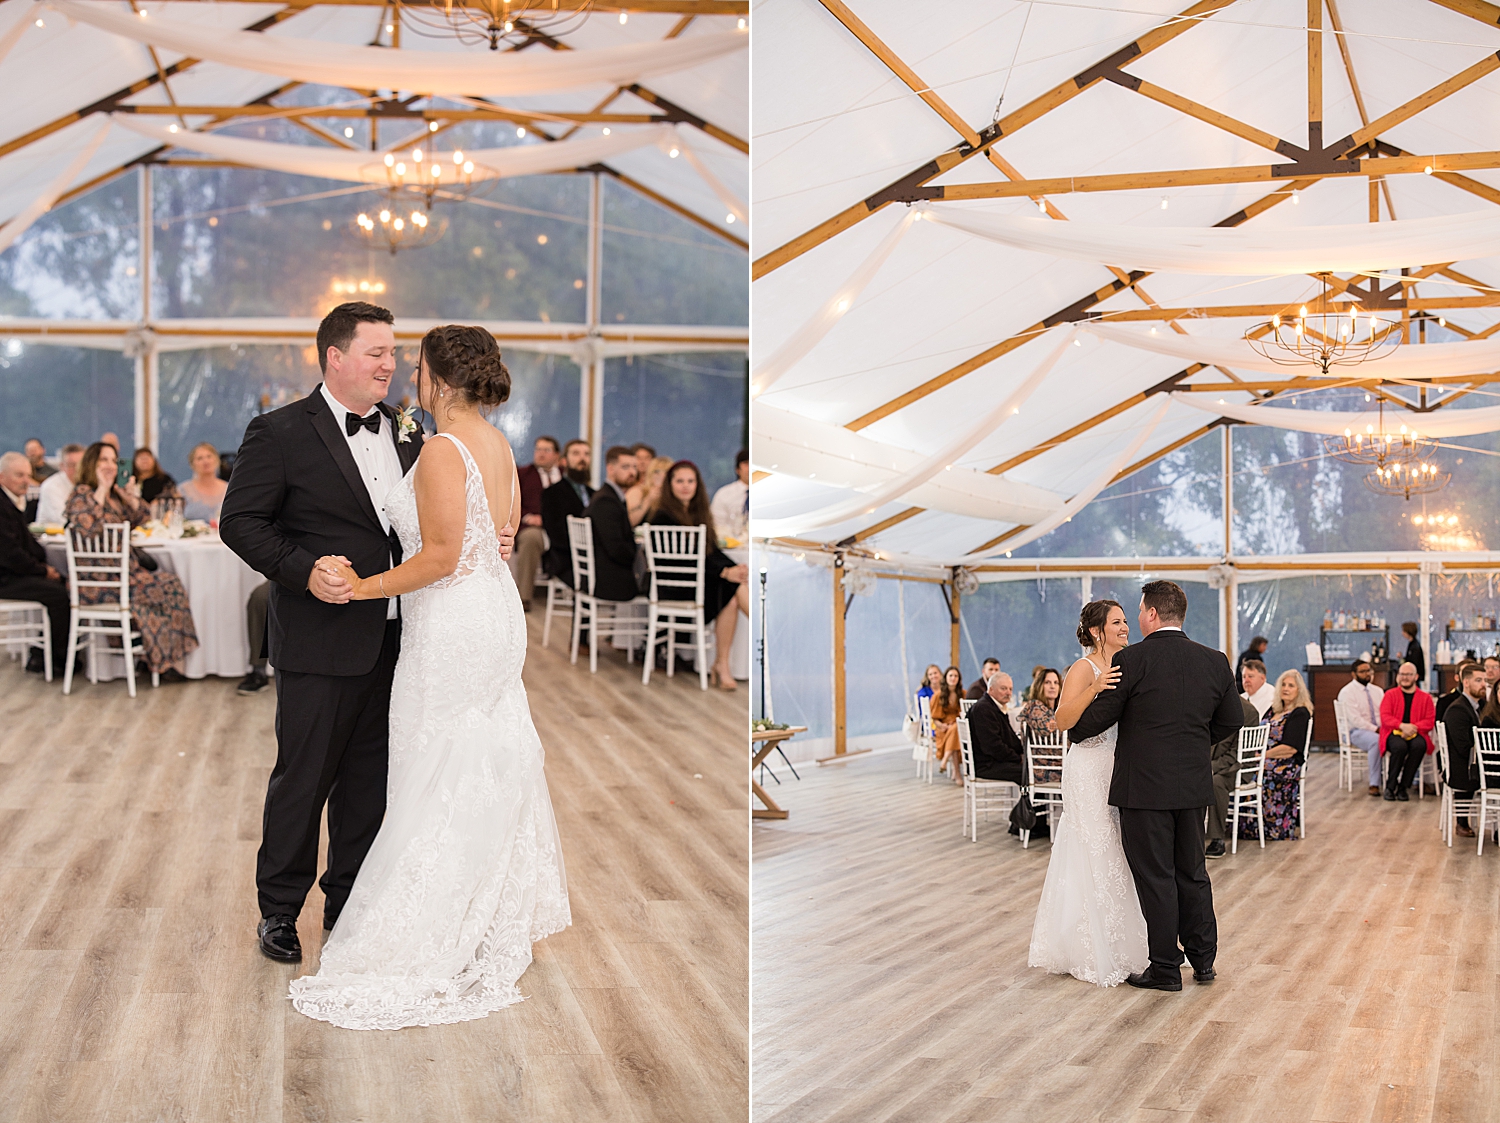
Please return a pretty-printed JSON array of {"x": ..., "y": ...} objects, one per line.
[
  {"x": 468, "y": 361},
  {"x": 1094, "y": 614}
]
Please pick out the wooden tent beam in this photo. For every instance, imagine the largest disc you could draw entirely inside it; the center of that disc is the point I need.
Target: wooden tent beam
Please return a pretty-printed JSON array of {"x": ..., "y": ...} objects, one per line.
[
  {"x": 1487, "y": 65},
  {"x": 877, "y": 47},
  {"x": 913, "y": 183},
  {"x": 1200, "y": 177},
  {"x": 1256, "y": 311}
]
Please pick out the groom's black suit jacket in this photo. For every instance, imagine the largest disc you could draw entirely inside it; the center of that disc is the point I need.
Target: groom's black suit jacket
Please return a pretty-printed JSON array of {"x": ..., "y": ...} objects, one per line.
[
  {"x": 296, "y": 495},
  {"x": 1175, "y": 698}
]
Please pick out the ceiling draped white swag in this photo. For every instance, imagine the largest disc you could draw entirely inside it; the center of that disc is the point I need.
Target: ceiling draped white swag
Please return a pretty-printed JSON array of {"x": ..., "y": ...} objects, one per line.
[
  {"x": 326, "y": 162},
  {"x": 1439, "y": 424},
  {"x": 1247, "y": 251},
  {"x": 442, "y": 73},
  {"x": 1421, "y": 360}
]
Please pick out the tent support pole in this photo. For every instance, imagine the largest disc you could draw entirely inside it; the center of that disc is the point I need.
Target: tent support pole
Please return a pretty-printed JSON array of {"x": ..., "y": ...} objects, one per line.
[
  {"x": 1229, "y": 607},
  {"x": 1425, "y": 624},
  {"x": 840, "y": 732},
  {"x": 591, "y": 380},
  {"x": 147, "y": 402}
]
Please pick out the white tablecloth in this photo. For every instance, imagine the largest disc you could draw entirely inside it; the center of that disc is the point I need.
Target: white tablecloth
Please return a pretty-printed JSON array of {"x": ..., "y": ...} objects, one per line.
[{"x": 218, "y": 585}]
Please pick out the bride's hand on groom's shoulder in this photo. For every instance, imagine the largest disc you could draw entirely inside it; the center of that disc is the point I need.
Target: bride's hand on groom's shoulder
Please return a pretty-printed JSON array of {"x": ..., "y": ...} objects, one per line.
[
  {"x": 1109, "y": 679},
  {"x": 332, "y": 580}
]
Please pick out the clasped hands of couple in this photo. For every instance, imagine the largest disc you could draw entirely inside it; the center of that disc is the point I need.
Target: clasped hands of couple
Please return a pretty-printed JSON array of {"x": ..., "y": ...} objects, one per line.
[{"x": 334, "y": 581}]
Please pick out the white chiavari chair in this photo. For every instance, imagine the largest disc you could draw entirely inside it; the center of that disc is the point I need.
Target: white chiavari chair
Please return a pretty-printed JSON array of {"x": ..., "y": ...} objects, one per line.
[
  {"x": 24, "y": 625},
  {"x": 1044, "y": 768},
  {"x": 677, "y": 557},
  {"x": 926, "y": 743},
  {"x": 601, "y": 617},
  {"x": 1248, "y": 781},
  {"x": 980, "y": 794},
  {"x": 1350, "y": 757},
  {"x": 965, "y": 705},
  {"x": 1487, "y": 746},
  {"x": 101, "y": 561},
  {"x": 559, "y": 603}
]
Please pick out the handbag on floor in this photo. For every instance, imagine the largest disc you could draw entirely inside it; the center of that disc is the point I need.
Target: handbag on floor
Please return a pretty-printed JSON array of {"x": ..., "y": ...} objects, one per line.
[{"x": 1023, "y": 814}]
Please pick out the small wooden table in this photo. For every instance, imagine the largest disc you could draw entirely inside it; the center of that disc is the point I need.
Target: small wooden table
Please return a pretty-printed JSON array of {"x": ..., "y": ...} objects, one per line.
[{"x": 769, "y": 739}]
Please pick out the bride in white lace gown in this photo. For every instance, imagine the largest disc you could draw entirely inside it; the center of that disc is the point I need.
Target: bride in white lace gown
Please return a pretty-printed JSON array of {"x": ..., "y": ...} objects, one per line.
[
  {"x": 1089, "y": 922},
  {"x": 467, "y": 869}
]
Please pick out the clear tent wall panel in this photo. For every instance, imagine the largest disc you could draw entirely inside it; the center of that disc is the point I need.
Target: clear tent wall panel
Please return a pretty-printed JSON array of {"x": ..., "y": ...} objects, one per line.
[
  {"x": 63, "y": 394},
  {"x": 543, "y": 401},
  {"x": 688, "y": 406},
  {"x": 1172, "y": 508},
  {"x": 79, "y": 260},
  {"x": 247, "y": 242},
  {"x": 659, "y": 268},
  {"x": 1289, "y": 611},
  {"x": 799, "y": 623}
]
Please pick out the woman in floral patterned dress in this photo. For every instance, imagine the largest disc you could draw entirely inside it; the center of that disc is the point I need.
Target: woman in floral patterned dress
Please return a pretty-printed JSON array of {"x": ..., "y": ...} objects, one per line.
[
  {"x": 158, "y": 602},
  {"x": 1288, "y": 718}
]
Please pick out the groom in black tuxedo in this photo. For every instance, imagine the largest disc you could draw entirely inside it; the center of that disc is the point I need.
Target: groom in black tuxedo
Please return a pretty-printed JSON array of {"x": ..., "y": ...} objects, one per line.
[
  {"x": 1175, "y": 699},
  {"x": 310, "y": 483}
]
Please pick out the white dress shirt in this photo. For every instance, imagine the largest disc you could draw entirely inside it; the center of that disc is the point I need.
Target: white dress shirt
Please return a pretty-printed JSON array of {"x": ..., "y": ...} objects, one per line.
[
  {"x": 375, "y": 457},
  {"x": 549, "y": 476},
  {"x": 731, "y": 510},
  {"x": 53, "y": 498},
  {"x": 17, "y": 501},
  {"x": 1361, "y": 702},
  {"x": 1262, "y": 698}
]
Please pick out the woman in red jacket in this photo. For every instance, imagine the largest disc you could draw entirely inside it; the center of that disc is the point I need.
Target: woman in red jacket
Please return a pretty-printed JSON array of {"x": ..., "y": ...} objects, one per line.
[{"x": 1407, "y": 715}]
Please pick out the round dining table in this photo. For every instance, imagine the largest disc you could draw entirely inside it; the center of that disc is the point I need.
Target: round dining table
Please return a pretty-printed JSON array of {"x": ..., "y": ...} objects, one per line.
[{"x": 218, "y": 586}]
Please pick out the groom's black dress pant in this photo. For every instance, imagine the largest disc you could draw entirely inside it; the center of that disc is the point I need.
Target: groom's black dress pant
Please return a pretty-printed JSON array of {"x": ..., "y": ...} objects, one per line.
[
  {"x": 332, "y": 734},
  {"x": 1165, "y": 852}
]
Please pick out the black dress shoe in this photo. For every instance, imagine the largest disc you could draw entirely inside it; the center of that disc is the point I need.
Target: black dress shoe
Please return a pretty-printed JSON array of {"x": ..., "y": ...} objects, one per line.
[
  {"x": 278, "y": 939},
  {"x": 1207, "y": 975},
  {"x": 1150, "y": 980},
  {"x": 34, "y": 664},
  {"x": 1215, "y": 849},
  {"x": 253, "y": 683},
  {"x": 1401, "y": 795},
  {"x": 1388, "y": 795}
]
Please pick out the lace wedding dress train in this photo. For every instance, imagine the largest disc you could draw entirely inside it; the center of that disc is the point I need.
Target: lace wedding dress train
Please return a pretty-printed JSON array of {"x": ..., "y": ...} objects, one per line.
[
  {"x": 466, "y": 872},
  {"x": 1089, "y": 922}
]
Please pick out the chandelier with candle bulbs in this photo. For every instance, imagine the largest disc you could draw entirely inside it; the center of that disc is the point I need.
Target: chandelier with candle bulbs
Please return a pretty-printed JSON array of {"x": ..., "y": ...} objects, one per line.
[
  {"x": 1418, "y": 477},
  {"x": 1380, "y": 446},
  {"x": 414, "y": 179},
  {"x": 493, "y": 22},
  {"x": 1325, "y": 336}
]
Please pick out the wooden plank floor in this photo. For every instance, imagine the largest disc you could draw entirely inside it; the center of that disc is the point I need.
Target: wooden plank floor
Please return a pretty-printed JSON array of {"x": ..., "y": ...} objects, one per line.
[
  {"x": 130, "y": 983},
  {"x": 1357, "y": 972}
]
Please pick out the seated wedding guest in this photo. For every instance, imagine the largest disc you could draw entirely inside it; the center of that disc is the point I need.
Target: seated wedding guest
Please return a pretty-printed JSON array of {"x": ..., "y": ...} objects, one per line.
[
  {"x": 255, "y": 632},
  {"x": 17, "y": 469},
  {"x": 203, "y": 495},
  {"x": 1026, "y": 694},
  {"x": 146, "y": 474},
  {"x": 158, "y": 602},
  {"x": 981, "y": 685},
  {"x": 36, "y": 453},
  {"x": 1414, "y": 654},
  {"x": 731, "y": 503},
  {"x": 614, "y": 539},
  {"x": 646, "y": 492},
  {"x": 1441, "y": 703},
  {"x": 998, "y": 751},
  {"x": 945, "y": 713},
  {"x": 726, "y": 583},
  {"x": 24, "y": 572},
  {"x": 643, "y": 454},
  {"x": 932, "y": 681},
  {"x": 1256, "y": 651},
  {"x": 53, "y": 494},
  {"x": 1041, "y": 707},
  {"x": 1226, "y": 766},
  {"x": 1289, "y": 717},
  {"x": 1360, "y": 700},
  {"x": 569, "y": 496},
  {"x": 1460, "y": 721},
  {"x": 1491, "y": 674},
  {"x": 531, "y": 539},
  {"x": 108, "y": 438},
  {"x": 1258, "y": 691},
  {"x": 1407, "y": 716}
]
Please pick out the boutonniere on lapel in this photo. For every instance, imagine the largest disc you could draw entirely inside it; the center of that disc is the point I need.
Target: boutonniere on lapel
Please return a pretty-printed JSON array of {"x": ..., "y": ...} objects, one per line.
[{"x": 406, "y": 423}]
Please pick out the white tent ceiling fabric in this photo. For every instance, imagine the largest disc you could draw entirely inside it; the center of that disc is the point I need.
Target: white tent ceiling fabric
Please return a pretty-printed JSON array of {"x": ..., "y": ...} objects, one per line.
[
  {"x": 327, "y": 162},
  {"x": 1240, "y": 251},
  {"x": 99, "y": 64},
  {"x": 1439, "y": 423},
  {"x": 475, "y": 74},
  {"x": 833, "y": 125}
]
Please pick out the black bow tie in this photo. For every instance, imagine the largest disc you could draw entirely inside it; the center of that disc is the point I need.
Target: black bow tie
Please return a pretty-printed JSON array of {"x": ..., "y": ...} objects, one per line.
[{"x": 353, "y": 423}]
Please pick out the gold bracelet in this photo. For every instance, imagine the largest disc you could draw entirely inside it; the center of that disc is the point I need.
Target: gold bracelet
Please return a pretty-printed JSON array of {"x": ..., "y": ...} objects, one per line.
[{"x": 383, "y": 593}]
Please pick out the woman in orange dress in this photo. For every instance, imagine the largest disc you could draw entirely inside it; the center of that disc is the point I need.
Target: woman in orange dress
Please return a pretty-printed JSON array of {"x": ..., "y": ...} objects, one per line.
[{"x": 945, "y": 714}]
